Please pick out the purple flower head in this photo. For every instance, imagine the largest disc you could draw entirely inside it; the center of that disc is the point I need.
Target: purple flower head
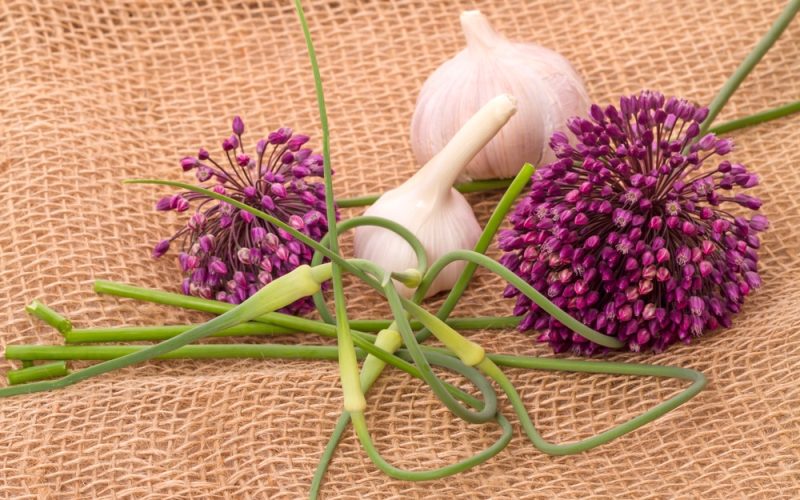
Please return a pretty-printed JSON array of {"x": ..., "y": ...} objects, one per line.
[
  {"x": 229, "y": 254},
  {"x": 635, "y": 230}
]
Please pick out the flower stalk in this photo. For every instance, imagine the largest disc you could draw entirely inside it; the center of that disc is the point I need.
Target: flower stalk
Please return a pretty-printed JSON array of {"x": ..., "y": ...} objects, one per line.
[{"x": 750, "y": 62}]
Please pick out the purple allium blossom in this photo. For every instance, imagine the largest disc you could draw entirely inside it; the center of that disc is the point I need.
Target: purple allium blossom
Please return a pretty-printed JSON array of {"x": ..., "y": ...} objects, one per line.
[
  {"x": 634, "y": 230},
  {"x": 228, "y": 254}
]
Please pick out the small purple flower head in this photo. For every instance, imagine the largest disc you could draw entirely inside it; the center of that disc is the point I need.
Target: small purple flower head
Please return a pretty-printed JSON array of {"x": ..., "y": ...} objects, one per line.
[
  {"x": 229, "y": 254},
  {"x": 635, "y": 230}
]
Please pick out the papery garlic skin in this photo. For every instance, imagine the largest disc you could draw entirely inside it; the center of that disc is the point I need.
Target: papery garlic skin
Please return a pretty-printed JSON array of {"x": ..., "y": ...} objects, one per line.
[
  {"x": 548, "y": 90},
  {"x": 426, "y": 204}
]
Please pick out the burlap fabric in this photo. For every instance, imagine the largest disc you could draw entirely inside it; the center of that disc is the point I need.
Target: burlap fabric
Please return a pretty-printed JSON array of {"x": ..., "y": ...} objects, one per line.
[{"x": 95, "y": 92}]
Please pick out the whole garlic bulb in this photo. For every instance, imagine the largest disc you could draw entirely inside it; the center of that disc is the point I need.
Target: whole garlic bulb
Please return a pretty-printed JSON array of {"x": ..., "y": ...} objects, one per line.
[
  {"x": 428, "y": 206},
  {"x": 547, "y": 88}
]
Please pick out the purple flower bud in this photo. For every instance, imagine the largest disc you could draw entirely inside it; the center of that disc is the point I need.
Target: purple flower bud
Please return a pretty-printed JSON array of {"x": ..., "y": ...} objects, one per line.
[
  {"x": 179, "y": 203},
  {"x": 748, "y": 201},
  {"x": 217, "y": 266},
  {"x": 282, "y": 253},
  {"x": 696, "y": 305},
  {"x": 268, "y": 203},
  {"x": 625, "y": 313},
  {"x": 188, "y": 163},
  {"x": 264, "y": 277},
  {"x": 287, "y": 157},
  {"x": 243, "y": 254},
  {"x": 238, "y": 125},
  {"x": 693, "y": 130},
  {"x": 278, "y": 190},
  {"x": 197, "y": 221},
  {"x": 191, "y": 262},
  {"x": 164, "y": 204},
  {"x": 723, "y": 146},
  {"x": 300, "y": 171},
  {"x": 296, "y": 222},
  {"x": 246, "y": 216},
  {"x": 160, "y": 248},
  {"x": 242, "y": 160},
  {"x": 707, "y": 142},
  {"x": 258, "y": 234},
  {"x": 261, "y": 146},
  {"x": 759, "y": 223},
  {"x": 280, "y": 136},
  {"x": 752, "y": 279},
  {"x": 204, "y": 173},
  {"x": 271, "y": 242},
  {"x": 207, "y": 243}
]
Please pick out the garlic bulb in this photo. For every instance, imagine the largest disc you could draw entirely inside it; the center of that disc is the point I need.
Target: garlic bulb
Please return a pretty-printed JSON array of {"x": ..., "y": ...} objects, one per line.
[
  {"x": 429, "y": 207},
  {"x": 548, "y": 89}
]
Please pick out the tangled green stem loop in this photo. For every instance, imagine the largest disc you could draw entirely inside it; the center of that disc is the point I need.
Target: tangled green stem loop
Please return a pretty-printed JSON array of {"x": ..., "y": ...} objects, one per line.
[
  {"x": 489, "y": 405},
  {"x": 360, "y": 425},
  {"x": 698, "y": 382},
  {"x": 489, "y": 409}
]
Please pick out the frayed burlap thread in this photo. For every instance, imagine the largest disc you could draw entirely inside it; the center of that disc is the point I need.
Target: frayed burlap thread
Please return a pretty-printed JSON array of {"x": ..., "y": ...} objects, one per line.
[{"x": 95, "y": 92}]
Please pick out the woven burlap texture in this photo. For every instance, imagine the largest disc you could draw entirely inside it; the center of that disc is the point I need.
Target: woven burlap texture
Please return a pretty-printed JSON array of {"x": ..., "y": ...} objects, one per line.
[{"x": 95, "y": 92}]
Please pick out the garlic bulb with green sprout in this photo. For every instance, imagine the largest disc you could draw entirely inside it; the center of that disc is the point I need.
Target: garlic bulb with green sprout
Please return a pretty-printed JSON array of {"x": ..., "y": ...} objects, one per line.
[
  {"x": 429, "y": 207},
  {"x": 547, "y": 88}
]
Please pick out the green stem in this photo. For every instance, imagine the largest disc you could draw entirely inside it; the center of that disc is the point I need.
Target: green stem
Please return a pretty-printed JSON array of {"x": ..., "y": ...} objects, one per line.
[
  {"x": 530, "y": 292},
  {"x": 39, "y": 372},
  {"x": 141, "y": 333},
  {"x": 466, "y": 187},
  {"x": 279, "y": 293},
  {"x": 204, "y": 351},
  {"x": 763, "y": 116},
  {"x": 49, "y": 316},
  {"x": 287, "y": 321},
  {"x": 264, "y": 325},
  {"x": 491, "y": 369},
  {"x": 348, "y": 368},
  {"x": 749, "y": 62}
]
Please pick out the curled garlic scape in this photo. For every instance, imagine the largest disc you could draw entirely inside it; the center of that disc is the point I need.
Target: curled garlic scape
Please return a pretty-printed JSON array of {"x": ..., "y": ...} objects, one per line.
[
  {"x": 428, "y": 206},
  {"x": 547, "y": 88}
]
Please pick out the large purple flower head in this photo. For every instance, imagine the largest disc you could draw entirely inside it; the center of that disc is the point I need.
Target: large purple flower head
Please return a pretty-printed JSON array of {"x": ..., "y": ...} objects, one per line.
[
  {"x": 228, "y": 254},
  {"x": 635, "y": 229}
]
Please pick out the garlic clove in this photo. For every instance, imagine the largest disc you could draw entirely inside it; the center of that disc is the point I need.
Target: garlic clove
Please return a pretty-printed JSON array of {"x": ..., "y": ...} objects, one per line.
[
  {"x": 547, "y": 87},
  {"x": 440, "y": 229},
  {"x": 429, "y": 207}
]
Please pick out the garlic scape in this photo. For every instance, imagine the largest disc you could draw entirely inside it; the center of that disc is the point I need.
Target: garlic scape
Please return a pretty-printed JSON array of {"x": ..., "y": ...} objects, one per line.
[
  {"x": 429, "y": 207},
  {"x": 547, "y": 88}
]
